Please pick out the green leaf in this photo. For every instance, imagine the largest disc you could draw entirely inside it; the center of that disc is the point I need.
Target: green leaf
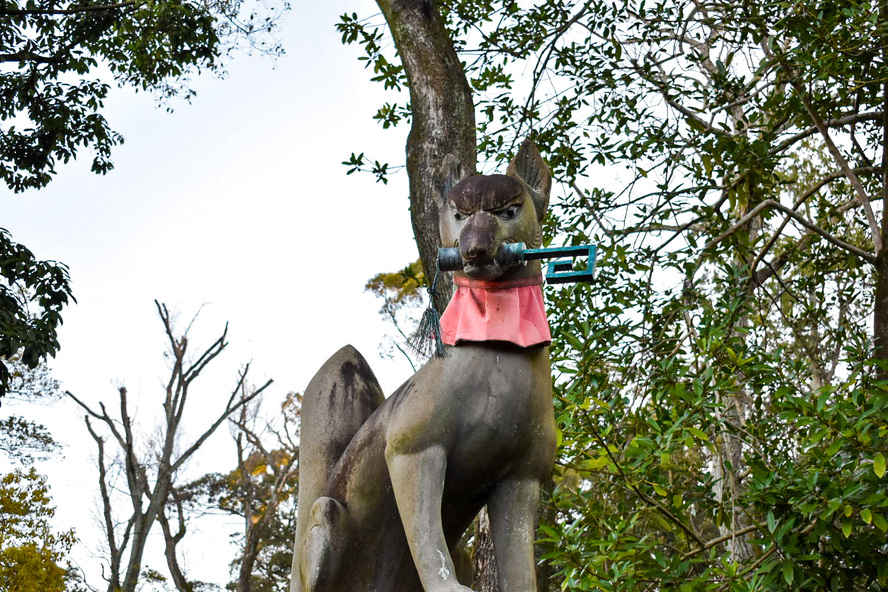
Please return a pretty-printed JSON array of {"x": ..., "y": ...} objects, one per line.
[
  {"x": 880, "y": 522},
  {"x": 699, "y": 434},
  {"x": 788, "y": 572},
  {"x": 846, "y": 527},
  {"x": 866, "y": 515},
  {"x": 879, "y": 465},
  {"x": 695, "y": 124}
]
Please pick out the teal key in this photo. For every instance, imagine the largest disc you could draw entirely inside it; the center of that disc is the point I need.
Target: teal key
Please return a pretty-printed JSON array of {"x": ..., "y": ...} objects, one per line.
[{"x": 510, "y": 254}]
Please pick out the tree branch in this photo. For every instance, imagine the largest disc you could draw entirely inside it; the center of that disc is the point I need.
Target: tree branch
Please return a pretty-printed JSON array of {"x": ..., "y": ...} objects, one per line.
[
  {"x": 28, "y": 56},
  {"x": 229, "y": 409},
  {"x": 113, "y": 550},
  {"x": 104, "y": 417},
  {"x": 798, "y": 202},
  {"x": 841, "y": 121},
  {"x": 862, "y": 195},
  {"x": 720, "y": 540},
  {"x": 663, "y": 510},
  {"x": 769, "y": 203},
  {"x": 65, "y": 11}
]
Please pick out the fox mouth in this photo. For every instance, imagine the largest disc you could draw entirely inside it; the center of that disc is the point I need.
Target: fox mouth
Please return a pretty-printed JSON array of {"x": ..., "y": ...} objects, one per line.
[{"x": 489, "y": 269}]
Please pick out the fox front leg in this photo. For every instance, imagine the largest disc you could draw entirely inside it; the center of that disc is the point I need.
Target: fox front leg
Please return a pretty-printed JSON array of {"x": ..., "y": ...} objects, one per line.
[
  {"x": 418, "y": 483},
  {"x": 513, "y": 507}
]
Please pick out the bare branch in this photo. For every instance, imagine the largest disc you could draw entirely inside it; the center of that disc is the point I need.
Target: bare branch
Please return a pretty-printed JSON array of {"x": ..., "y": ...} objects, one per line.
[
  {"x": 205, "y": 358},
  {"x": 862, "y": 195},
  {"x": 113, "y": 550},
  {"x": 720, "y": 540},
  {"x": 161, "y": 488},
  {"x": 104, "y": 417},
  {"x": 229, "y": 409},
  {"x": 171, "y": 541},
  {"x": 798, "y": 202}
]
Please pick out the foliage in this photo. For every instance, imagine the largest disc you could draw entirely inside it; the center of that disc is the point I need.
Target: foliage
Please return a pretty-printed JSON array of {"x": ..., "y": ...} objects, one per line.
[
  {"x": 51, "y": 96},
  {"x": 31, "y": 554},
  {"x": 401, "y": 288},
  {"x": 637, "y": 499},
  {"x": 26, "y": 281},
  {"x": 719, "y": 390},
  {"x": 23, "y": 440},
  {"x": 262, "y": 491},
  {"x": 402, "y": 297}
]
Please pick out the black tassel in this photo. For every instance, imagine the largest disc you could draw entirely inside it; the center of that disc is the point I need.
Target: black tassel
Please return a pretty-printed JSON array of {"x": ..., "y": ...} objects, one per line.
[{"x": 426, "y": 340}]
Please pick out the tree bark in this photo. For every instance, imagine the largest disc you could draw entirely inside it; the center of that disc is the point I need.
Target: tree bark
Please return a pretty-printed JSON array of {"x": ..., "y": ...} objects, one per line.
[
  {"x": 483, "y": 562},
  {"x": 443, "y": 119},
  {"x": 880, "y": 314},
  {"x": 251, "y": 551}
]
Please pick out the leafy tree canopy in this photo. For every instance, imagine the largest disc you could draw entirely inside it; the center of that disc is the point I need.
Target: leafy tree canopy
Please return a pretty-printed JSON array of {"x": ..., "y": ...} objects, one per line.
[{"x": 52, "y": 55}]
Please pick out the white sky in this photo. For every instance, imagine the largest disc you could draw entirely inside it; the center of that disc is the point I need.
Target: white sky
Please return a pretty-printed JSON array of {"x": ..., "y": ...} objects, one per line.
[{"x": 238, "y": 201}]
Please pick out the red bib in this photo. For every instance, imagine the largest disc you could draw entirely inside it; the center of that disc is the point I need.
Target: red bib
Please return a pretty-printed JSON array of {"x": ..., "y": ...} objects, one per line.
[{"x": 497, "y": 311}]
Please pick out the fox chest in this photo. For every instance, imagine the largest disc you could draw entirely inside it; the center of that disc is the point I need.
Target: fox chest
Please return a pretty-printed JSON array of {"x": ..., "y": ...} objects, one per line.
[{"x": 490, "y": 409}]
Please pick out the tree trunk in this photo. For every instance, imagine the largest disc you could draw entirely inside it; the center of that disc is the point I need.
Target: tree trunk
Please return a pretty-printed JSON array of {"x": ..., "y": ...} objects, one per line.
[
  {"x": 443, "y": 119},
  {"x": 251, "y": 551},
  {"x": 443, "y": 124},
  {"x": 170, "y": 542},
  {"x": 483, "y": 562},
  {"x": 880, "y": 314},
  {"x": 134, "y": 565},
  {"x": 141, "y": 531}
]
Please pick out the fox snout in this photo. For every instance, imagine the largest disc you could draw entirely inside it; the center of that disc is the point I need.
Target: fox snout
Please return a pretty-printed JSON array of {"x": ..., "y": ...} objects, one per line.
[{"x": 479, "y": 239}]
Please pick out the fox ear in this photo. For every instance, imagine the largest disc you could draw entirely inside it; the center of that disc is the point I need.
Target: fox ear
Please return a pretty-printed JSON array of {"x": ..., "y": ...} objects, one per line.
[
  {"x": 529, "y": 167},
  {"x": 451, "y": 172}
]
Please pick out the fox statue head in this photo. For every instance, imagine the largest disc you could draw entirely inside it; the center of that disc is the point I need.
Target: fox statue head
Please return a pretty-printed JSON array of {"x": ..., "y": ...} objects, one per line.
[{"x": 483, "y": 212}]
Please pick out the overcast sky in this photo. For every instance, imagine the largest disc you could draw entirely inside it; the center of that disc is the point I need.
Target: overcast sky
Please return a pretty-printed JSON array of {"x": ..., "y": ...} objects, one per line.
[{"x": 238, "y": 202}]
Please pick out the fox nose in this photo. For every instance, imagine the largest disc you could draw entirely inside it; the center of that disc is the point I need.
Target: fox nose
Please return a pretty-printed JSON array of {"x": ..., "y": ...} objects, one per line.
[{"x": 477, "y": 251}]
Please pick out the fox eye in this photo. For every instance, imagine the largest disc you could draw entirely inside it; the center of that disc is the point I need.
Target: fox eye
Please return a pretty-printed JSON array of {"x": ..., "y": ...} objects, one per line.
[
  {"x": 457, "y": 215},
  {"x": 508, "y": 213}
]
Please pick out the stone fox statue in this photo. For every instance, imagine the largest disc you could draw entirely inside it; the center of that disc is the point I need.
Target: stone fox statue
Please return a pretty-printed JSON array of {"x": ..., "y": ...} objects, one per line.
[{"x": 388, "y": 486}]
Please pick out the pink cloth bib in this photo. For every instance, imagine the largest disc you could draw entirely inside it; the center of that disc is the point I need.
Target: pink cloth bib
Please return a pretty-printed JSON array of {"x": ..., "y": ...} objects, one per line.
[{"x": 495, "y": 311}]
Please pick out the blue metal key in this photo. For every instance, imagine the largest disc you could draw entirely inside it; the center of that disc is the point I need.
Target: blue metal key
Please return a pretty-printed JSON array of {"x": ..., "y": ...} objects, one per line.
[{"x": 510, "y": 254}]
